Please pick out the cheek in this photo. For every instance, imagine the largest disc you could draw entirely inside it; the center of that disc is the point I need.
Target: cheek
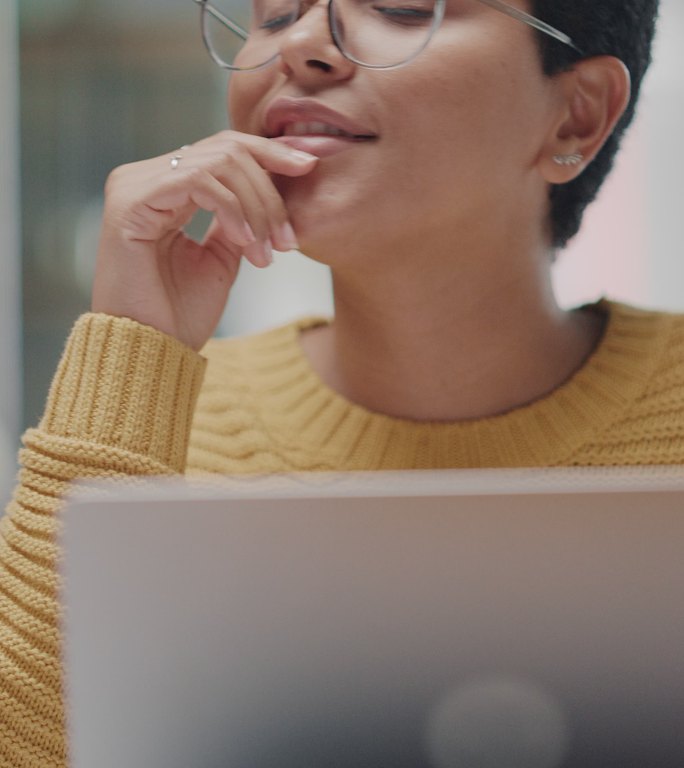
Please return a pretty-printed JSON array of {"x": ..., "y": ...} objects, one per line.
[
  {"x": 480, "y": 117},
  {"x": 461, "y": 145},
  {"x": 245, "y": 89},
  {"x": 233, "y": 99},
  {"x": 453, "y": 121}
]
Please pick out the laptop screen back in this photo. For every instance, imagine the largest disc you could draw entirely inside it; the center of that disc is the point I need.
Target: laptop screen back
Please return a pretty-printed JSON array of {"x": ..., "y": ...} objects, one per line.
[{"x": 443, "y": 628}]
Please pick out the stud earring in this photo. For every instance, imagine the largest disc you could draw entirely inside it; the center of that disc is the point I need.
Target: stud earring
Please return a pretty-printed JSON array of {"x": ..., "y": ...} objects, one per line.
[{"x": 574, "y": 159}]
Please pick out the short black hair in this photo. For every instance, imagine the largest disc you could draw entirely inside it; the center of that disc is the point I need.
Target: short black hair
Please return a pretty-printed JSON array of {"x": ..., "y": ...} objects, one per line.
[{"x": 621, "y": 28}]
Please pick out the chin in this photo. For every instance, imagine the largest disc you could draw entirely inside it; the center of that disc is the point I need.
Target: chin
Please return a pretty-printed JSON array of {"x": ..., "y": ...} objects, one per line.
[{"x": 321, "y": 214}]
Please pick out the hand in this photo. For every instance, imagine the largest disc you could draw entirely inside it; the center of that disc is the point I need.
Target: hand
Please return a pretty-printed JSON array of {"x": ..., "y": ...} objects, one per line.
[{"x": 150, "y": 271}]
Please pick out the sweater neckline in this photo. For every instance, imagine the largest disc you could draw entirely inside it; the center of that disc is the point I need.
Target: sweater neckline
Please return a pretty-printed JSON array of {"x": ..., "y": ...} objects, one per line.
[{"x": 547, "y": 431}]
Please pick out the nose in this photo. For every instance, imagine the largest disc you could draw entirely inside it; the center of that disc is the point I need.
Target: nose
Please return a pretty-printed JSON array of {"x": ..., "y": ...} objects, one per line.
[{"x": 308, "y": 51}]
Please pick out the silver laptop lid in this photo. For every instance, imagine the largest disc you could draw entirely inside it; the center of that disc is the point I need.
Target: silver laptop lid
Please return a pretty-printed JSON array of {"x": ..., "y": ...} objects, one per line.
[{"x": 422, "y": 620}]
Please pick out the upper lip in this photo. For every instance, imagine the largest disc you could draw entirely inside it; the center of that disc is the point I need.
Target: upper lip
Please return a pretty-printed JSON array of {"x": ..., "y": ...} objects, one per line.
[{"x": 283, "y": 111}]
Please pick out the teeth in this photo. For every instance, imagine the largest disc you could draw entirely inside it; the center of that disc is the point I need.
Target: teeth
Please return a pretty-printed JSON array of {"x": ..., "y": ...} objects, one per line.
[{"x": 307, "y": 129}]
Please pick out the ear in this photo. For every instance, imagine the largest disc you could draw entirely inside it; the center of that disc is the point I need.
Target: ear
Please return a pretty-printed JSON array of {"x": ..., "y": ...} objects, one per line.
[{"x": 594, "y": 95}]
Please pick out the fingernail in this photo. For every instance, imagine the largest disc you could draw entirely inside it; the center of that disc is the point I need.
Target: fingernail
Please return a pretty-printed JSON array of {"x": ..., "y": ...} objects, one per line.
[
  {"x": 303, "y": 157},
  {"x": 267, "y": 251},
  {"x": 286, "y": 237},
  {"x": 260, "y": 253}
]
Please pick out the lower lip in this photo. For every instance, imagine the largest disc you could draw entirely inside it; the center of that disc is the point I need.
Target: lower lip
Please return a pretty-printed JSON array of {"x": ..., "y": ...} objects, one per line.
[{"x": 321, "y": 146}]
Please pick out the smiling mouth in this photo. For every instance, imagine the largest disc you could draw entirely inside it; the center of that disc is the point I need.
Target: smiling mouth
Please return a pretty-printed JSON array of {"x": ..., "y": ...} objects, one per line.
[{"x": 315, "y": 128}]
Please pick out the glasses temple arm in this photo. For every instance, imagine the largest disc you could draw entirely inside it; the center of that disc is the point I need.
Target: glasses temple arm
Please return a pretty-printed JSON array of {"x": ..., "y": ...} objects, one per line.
[
  {"x": 232, "y": 26},
  {"x": 532, "y": 21}
]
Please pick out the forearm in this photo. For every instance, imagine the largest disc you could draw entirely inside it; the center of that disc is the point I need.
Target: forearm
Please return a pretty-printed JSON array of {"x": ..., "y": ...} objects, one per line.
[{"x": 121, "y": 404}]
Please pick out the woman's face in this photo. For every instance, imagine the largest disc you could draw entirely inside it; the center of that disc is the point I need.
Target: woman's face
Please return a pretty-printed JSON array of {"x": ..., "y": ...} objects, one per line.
[{"x": 457, "y": 132}]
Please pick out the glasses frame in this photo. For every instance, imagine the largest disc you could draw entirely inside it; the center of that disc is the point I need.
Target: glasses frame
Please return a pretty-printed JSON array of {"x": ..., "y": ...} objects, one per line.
[{"x": 207, "y": 10}]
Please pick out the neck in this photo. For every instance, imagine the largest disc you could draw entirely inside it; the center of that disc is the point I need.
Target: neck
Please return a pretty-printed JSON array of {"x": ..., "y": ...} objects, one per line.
[{"x": 419, "y": 342}]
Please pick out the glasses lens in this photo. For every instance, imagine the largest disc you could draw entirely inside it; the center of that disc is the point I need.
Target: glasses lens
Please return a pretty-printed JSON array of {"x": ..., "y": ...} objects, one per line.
[
  {"x": 383, "y": 33},
  {"x": 242, "y": 34}
]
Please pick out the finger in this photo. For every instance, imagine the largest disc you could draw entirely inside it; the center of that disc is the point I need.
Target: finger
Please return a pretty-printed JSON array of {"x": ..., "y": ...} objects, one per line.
[
  {"x": 234, "y": 216},
  {"x": 168, "y": 207},
  {"x": 262, "y": 203},
  {"x": 272, "y": 155},
  {"x": 280, "y": 158},
  {"x": 212, "y": 195},
  {"x": 241, "y": 174}
]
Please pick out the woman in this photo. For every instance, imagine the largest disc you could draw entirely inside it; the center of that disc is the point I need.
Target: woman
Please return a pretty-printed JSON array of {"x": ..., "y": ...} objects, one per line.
[{"x": 435, "y": 165}]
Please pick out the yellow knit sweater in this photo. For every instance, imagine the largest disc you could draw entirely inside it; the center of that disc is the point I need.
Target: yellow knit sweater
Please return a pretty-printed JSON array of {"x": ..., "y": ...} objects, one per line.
[{"x": 123, "y": 400}]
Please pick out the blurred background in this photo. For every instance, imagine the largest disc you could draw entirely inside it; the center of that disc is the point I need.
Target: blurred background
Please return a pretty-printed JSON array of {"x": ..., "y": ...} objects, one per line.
[{"x": 86, "y": 85}]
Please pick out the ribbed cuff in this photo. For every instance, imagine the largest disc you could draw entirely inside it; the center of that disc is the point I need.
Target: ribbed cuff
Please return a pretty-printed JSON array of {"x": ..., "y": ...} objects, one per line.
[{"x": 125, "y": 385}]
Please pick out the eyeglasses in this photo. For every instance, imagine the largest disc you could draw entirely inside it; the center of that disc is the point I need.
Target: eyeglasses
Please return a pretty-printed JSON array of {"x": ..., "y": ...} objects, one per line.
[{"x": 244, "y": 35}]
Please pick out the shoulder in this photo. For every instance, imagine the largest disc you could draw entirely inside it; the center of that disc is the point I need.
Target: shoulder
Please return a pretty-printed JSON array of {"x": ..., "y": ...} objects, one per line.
[
  {"x": 641, "y": 366},
  {"x": 655, "y": 337},
  {"x": 649, "y": 344}
]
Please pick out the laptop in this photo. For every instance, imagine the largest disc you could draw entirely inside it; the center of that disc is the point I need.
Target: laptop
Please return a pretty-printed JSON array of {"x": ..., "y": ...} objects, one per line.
[{"x": 452, "y": 619}]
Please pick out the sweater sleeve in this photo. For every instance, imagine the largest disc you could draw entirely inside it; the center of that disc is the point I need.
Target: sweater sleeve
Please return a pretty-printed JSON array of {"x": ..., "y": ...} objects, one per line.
[{"x": 121, "y": 403}]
